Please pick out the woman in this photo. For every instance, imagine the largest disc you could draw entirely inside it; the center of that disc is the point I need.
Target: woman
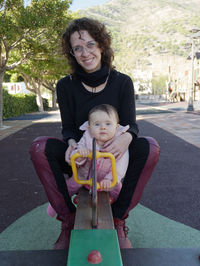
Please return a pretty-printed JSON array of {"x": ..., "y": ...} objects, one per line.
[{"x": 86, "y": 44}]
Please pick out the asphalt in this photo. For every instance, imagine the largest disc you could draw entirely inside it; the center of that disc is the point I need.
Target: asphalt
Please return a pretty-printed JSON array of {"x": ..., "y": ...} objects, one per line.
[{"x": 168, "y": 214}]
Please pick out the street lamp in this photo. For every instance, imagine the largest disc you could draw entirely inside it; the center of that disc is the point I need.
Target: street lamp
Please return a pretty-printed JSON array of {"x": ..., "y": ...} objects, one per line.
[{"x": 196, "y": 35}]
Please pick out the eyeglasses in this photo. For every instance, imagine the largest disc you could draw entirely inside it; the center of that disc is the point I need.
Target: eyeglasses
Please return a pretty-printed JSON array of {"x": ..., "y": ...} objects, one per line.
[{"x": 89, "y": 47}]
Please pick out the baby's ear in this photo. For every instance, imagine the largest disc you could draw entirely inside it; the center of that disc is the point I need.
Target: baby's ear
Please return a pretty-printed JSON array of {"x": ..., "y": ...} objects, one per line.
[{"x": 117, "y": 126}]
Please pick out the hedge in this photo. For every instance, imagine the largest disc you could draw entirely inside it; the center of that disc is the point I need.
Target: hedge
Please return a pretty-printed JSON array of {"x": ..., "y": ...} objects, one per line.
[{"x": 18, "y": 104}]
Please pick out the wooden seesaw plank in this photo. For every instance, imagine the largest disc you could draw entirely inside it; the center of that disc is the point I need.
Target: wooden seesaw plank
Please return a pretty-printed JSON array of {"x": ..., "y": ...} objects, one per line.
[{"x": 84, "y": 211}]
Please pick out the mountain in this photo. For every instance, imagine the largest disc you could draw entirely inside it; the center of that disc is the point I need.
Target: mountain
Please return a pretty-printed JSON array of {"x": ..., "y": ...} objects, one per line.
[
  {"x": 157, "y": 19},
  {"x": 149, "y": 33}
]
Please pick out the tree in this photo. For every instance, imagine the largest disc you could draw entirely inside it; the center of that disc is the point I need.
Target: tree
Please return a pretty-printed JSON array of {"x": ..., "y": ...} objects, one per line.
[
  {"x": 159, "y": 84},
  {"x": 22, "y": 30},
  {"x": 53, "y": 71},
  {"x": 47, "y": 66},
  {"x": 43, "y": 72}
]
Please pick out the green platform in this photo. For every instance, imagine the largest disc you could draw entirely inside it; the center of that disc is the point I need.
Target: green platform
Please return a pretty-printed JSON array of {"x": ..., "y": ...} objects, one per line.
[{"x": 103, "y": 240}]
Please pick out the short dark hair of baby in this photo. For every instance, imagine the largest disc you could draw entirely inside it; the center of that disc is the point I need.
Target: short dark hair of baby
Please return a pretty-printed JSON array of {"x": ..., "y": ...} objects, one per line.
[{"x": 107, "y": 108}]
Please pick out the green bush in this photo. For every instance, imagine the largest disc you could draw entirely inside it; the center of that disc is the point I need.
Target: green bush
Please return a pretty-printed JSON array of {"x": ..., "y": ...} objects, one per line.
[{"x": 18, "y": 104}]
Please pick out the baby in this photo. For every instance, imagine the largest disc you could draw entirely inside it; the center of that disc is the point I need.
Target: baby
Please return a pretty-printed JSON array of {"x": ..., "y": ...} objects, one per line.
[{"x": 103, "y": 125}]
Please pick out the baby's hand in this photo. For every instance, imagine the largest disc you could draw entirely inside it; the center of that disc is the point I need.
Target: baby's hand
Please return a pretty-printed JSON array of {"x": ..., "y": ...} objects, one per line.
[
  {"x": 83, "y": 152},
  {"x": 105, "y": 184}
]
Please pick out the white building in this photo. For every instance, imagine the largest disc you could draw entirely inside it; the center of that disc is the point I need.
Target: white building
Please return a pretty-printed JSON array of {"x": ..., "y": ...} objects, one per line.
[{"x": 16, "y": 87}]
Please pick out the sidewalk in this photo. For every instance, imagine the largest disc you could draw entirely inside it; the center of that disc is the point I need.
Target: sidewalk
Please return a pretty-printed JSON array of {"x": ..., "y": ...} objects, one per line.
[
  {"x": 172, "y": 117},
  {"x": 10, "y": 126}
]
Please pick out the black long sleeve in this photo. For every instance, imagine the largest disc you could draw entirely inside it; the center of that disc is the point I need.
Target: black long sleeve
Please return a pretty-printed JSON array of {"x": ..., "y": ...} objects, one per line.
[{"x": 75, "y": 102}]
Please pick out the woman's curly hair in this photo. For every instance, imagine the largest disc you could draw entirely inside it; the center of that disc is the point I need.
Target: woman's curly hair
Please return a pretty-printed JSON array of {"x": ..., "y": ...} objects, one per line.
[{"x": 97, "y": 30}]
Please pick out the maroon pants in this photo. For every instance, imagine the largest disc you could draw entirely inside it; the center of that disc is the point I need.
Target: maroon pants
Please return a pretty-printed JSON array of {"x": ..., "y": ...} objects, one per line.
[{"x": 48, "y": 157}]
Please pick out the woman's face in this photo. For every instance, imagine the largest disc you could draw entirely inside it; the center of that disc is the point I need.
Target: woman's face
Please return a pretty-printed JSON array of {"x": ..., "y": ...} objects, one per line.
[{"x": 86, "y": 51}]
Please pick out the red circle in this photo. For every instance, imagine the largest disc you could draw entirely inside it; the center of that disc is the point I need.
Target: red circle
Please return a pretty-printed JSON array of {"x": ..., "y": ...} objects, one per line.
[{"x": 94, "y": 257}]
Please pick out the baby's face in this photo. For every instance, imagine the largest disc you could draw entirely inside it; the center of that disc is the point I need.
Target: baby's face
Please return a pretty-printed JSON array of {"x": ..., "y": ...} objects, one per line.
[{"x": 102, "y": 126}]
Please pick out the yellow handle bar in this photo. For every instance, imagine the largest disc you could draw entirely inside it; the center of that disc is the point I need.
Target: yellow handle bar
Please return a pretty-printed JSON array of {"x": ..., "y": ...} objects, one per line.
[{"x": 98, "y": 155}]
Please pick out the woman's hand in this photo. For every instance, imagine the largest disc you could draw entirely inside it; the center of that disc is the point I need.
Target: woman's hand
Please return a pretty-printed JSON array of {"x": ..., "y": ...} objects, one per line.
[
  {"x": 72, "y": 145},
  {"x": 118, "y": 146}
]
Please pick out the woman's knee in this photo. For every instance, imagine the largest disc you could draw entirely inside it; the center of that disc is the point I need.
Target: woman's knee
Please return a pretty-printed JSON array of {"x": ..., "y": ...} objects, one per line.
[
  {"x": 145, "y": 146},
  {"x": 154, "y": 148},
  {"x": 39, "y": 146}
]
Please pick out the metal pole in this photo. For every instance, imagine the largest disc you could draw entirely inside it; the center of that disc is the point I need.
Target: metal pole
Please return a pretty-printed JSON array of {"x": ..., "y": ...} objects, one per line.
[
  {"x": 94, "y": 186},
  {"x": 190, "y": 102}
]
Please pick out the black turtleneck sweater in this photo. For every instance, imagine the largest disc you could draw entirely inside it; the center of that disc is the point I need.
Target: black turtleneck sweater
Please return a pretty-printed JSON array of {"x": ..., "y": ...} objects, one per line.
[{"x": 75, "y": 102}]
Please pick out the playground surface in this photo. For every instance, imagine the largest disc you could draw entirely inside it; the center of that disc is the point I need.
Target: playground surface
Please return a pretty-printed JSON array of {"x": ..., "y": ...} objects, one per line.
[{"x": 168, "y": 214}]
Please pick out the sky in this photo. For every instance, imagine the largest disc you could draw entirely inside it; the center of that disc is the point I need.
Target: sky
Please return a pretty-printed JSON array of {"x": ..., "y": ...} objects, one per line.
[{"x": 82, "y": 4}]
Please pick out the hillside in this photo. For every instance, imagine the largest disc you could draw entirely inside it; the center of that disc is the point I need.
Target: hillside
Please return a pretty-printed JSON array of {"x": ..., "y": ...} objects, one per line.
[
  {"x": 151, "y": 17},
  {"x": 143, "y": 31}
]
